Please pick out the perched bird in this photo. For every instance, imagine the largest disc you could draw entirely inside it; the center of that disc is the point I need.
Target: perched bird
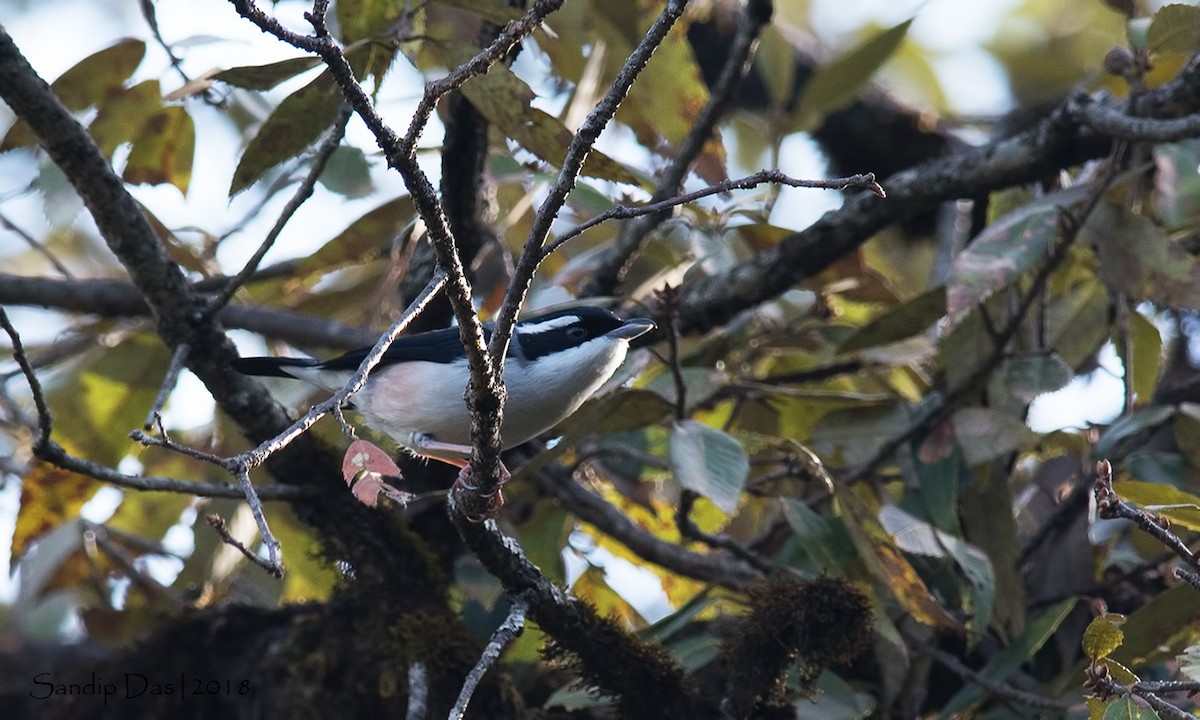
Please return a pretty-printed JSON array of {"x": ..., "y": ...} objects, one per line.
[{"x": 415, "y": 395}]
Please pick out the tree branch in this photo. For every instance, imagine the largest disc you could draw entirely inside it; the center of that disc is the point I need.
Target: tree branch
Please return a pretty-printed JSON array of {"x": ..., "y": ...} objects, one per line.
[
  {"x": 615, "y": 260},
  {"x": 1057, "y": 142},
  {"x": 117, "y": 298}
]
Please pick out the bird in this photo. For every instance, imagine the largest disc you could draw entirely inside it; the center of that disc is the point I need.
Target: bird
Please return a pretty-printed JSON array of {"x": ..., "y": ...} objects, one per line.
[{"x": 415, "y": 396}]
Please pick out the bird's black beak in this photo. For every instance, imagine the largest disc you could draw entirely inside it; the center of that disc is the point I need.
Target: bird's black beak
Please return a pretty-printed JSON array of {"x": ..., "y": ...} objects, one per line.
[{"x": 634, "y": 328}]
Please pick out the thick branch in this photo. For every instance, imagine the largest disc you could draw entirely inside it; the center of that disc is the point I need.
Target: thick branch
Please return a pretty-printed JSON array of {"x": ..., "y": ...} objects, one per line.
[
  {"x": 645, "y": 678},
  {"x": 715, "y": 568},
  {"x": 117, "y": 298},
  {"x": 1057, "y": 142}
]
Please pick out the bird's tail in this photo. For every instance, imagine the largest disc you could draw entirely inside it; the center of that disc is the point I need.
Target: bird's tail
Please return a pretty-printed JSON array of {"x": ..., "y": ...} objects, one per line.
[{"x": 272, "y": 366}]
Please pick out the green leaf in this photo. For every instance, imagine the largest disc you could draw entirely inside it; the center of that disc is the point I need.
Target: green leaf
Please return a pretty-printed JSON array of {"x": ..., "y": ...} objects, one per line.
[
  {"x": 888, "y": 566},
  {"x": 1103, "y": 635},
  {"x": 1006, "y": 249},
  {"x": 1175, "y": 28},
  {"x": 97, "y": 76},
  {"x": 361, "y": 19},
  {"x": 938, "y": 462},
  {"x": 822, "y": 540},
  {"x": 1187, "y": 433},
  {"x": 775, "y": 63},
  {"x": 1028, "y": 376},
  {"x": 834, "y": 699},
  {"x": 494, "y": 11},
  {"x": 1181, "y": 508},
  {"x": 836, "y": 84},
  {"x": 1009, "y": 660},
  {"x": 348, "y": 173},
  {"x": 1131, "y": 424},
  {"x": 1124, "y": 707},
  {"x": 504, "y": 99},
  {"x": 544, "y": 535},
  {"x": 366, "y": 238},
  {"x": 1145, "y": 357},
  {"x": 94, "y": 411},
  {"x": 163, "y": 150},
  {"x": 1138, "y": 259},
  {"x": 617, "y": 412},
  {"x": 265, "y": 77},
  {"x": 850, "y": 436},
  {"x": 90, "y": 81},
  {"x": 293, "y": 126},
  {"x": 124, "y": 116},
  {"x": 902, "y": 321},
  {"x": 1077, "y": 322},
  {"x": 709, "y": 462},
  {"x": 919, "y": 537},
  {"x": 985, "y": 434}
]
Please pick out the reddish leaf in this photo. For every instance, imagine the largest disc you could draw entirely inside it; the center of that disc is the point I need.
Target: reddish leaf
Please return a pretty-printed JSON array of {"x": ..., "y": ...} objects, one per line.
[{"x": 366, "y": 456}]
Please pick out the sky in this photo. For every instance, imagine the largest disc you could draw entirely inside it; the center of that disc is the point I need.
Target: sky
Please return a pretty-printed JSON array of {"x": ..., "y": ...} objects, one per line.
[{"x": 209, "y": 32}]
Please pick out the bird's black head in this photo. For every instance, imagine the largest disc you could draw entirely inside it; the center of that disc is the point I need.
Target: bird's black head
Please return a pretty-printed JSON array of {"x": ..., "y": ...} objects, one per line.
[{"x": 553, "y": 332}]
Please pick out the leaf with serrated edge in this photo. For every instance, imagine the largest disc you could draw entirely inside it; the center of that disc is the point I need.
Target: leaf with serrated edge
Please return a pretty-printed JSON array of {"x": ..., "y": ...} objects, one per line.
[
  {"x": 1175, "y": 28},
  {"x": 709, "y": 462},
  {"x": 1103, "y": 635}
]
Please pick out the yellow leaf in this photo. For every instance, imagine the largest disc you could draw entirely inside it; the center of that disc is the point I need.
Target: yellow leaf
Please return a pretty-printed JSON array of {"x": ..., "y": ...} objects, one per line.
[
  {"x": 1179, "y": 507},
  {"x": 1103, "y": 636},
  {"x": 888, "y": 566},
  {"x": 49, "y": 497},
  {"x": 163, "y": 149}
]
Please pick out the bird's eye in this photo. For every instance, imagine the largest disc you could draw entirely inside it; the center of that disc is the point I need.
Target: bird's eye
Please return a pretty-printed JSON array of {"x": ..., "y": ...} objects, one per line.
[{"x": 576, "y": 333}]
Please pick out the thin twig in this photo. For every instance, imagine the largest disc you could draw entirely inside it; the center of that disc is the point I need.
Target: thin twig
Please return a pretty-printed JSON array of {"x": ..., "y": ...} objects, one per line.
[
  {"x": 55, "y": 454},
  {"x": 755, "y": 15},
  {"x": 509, "y": 630},
  {"x": 689, "y": 531},
  {"x": 533, "y": 253},
  {"x": 324, "y": 151},
  {"x": 1101, "y": 682},
  {"x": 716, "y": 568},
  {"x": 37, "y": 247},
  {"x": 257, "y": 456},
  {"x": 1109, "y": 505},
  {"x": 623, "y": 212},
  {"x": 99, "y": 537},
  {"x": 170, "y": 379},
  {"x": 116, "y": 298},
  {"x": 997, "y": 688},
  {"x": 218, "y": 524},
  {"x": 936, "y": 412},
  {"x": 35, "y": 386}
]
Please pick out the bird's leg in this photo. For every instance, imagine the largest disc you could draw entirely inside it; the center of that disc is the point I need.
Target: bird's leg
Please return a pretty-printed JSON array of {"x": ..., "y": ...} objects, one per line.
[
  {"x": 495, "y": 498},
  {"x": 446, "y": 452}
]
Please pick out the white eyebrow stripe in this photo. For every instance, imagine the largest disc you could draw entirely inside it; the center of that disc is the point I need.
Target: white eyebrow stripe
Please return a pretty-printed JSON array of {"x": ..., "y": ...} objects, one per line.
[{"x": 551, "y": 324}]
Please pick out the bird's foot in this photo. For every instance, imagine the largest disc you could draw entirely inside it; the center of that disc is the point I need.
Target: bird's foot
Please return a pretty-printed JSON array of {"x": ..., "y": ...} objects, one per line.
[{"x": 494, "y": 499}]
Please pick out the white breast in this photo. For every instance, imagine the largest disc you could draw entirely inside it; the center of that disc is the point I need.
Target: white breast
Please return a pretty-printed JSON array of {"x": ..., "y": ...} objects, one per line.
[{"x": 422, "y": 398}]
